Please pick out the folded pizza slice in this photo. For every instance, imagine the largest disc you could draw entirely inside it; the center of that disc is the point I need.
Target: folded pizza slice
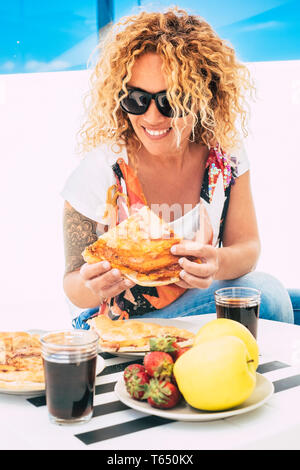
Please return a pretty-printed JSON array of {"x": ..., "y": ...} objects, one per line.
[
  {"x": 140, "y": 248},
  {"x": 134, "y": 335}
]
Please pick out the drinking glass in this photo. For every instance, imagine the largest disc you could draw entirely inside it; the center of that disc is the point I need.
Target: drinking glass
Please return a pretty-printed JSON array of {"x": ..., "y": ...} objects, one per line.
[
  {"x": 69, "y": 359},
  {"x": 240, "y": 304}
]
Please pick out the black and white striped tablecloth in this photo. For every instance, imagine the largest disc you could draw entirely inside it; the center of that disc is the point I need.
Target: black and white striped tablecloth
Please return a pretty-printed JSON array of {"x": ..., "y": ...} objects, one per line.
[{"x": 105, "y": 384}]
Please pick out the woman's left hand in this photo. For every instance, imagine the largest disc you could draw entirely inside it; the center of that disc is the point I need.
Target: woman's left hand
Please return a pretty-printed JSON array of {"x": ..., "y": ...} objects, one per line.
[{"x": 194, "y": 274}]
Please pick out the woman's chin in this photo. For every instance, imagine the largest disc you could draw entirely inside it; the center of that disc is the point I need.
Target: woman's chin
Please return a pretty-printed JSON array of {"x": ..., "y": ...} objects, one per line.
[{"x": 159, "y": 147}]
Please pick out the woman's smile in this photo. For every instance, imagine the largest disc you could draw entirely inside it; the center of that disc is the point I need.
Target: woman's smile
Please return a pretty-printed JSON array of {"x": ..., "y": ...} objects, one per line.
[{"x": 156, "y": 134}]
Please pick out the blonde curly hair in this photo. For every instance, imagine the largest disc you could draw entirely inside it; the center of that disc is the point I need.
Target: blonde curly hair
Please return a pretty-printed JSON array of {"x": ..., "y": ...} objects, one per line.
[{"x": 204, "y": 79}]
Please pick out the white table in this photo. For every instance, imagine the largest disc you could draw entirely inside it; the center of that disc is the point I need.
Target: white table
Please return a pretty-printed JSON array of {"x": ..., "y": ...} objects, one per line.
[{"x": 24, "y": 422}]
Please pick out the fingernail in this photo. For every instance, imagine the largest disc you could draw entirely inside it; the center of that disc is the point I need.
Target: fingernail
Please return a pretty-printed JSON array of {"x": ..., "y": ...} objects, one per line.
[
  {"x": 173, "y": 249},
  {"x": 182, "y": 273},
  {"x": 105, "y": 264},
  {"x": 115, "y": 272},
  {"x": 128, "y": 283},
  {"x": 180, "y": 261}
]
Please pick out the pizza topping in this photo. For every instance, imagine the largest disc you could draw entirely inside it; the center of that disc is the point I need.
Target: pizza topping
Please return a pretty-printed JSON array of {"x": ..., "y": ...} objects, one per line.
[{"x": 20, "y": 358}]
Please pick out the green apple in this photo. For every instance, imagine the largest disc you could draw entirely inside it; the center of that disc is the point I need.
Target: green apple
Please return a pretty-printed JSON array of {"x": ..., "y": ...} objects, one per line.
[
  {"x": 216, "y": 375},
  {"x": 224, "y": 326}
]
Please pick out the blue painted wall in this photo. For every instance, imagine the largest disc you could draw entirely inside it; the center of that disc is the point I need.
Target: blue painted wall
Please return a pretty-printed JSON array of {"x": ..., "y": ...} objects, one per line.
[{"x": 52, "y": 35}]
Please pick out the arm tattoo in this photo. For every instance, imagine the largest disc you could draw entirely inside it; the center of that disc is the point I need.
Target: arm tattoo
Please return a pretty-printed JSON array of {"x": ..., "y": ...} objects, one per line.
[{"x": 79, "y": 232}]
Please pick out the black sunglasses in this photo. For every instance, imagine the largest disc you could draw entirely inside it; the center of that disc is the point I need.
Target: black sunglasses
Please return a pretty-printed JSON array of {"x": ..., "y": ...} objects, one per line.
[{"x": 138, "y": 101}]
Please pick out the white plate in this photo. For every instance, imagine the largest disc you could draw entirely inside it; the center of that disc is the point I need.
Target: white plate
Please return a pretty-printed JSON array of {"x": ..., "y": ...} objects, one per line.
[
  {"x": 183, "y": 412},
  {"x": 35, "y": 389},
  {"x": 190, "y": 326}
]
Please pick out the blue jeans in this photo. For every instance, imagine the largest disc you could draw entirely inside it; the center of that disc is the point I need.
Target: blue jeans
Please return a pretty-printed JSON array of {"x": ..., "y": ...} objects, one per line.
[
  {"x": 276, "y": 302},
  {"x": 295, "y": 298}
]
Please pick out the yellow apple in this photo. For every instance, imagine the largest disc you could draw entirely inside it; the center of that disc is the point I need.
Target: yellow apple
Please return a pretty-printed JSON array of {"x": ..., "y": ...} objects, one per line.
[
  {"x": 216, "y": 375},
  {"x": 223, "y": 327}
]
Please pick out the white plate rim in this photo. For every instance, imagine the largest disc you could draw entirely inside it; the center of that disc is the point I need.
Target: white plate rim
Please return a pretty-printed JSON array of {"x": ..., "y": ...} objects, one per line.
[
  {"x": 198, "y": 415},
  {"x": 188, "y": 325}
]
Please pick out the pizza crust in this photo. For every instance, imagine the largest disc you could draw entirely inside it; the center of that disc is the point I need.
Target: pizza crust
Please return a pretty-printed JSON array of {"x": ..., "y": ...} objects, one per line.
[
  {"x": 19, "y": 386},
  {"x": 134, "y": 278}
]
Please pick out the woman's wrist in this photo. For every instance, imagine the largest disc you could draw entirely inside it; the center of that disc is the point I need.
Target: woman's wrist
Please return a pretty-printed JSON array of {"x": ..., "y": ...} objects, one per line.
[
  {"x": 78, "y": 293},
  {"x": 235, "y": 261}
]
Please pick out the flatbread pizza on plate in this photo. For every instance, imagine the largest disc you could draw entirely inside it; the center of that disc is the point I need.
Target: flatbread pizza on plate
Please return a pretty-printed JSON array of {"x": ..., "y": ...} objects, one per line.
[
  {"x": 133, "y": 336},
  {"x": 21, "y": 364}
]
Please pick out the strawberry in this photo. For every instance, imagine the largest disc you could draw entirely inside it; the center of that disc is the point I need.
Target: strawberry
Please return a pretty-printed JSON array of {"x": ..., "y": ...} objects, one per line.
[
  {"x": 180, "y": 351},
  {"x": 162, "y": 394},
  {"x": 158, "y": 364},
  {"x": 163, "y": 343},
  {"x": 136, "y": 385},
  {"x": 131, "y": 370},
  {"x": 167, "y": 344}
]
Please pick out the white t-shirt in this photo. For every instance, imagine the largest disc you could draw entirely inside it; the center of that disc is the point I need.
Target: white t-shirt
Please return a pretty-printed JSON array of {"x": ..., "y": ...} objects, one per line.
[{"x": 86, "y": 190}]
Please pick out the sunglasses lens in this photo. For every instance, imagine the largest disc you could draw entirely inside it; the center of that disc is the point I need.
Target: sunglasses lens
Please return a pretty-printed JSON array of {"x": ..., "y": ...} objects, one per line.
[
  {"x": 163, "y": 104},
  {"x": 136, "y": 102}
]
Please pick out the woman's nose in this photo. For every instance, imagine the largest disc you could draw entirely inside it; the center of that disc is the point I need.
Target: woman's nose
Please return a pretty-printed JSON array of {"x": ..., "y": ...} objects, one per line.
[{"x": 152, "y": 114}]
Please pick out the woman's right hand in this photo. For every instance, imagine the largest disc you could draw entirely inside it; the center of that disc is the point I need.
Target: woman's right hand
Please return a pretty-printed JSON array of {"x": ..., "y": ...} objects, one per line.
[{"x": 104, "y": 281}]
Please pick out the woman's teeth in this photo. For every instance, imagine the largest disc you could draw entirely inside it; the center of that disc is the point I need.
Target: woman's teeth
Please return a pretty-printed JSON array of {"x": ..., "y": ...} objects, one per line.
[{"x": 151, "y": 132}]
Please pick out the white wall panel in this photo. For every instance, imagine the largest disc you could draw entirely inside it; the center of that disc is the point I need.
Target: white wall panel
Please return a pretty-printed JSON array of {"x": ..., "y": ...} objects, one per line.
[{"x": 40, "y": 114}]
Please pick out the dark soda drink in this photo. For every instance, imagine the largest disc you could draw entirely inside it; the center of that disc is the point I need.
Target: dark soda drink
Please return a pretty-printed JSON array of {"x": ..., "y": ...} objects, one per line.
[
  {"x": 70, "y": 388},
  {"x": 70, "y": 359},
  {"x": 236, "y": 309}
]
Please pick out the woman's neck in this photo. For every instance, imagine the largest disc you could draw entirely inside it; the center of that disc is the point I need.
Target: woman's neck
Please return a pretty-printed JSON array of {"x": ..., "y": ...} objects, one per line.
[{"x": 176, "y": 160}]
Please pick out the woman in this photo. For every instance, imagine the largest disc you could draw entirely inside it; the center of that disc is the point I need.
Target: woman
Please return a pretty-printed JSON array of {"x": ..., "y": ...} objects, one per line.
[{"x": 167, "y": 95}]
